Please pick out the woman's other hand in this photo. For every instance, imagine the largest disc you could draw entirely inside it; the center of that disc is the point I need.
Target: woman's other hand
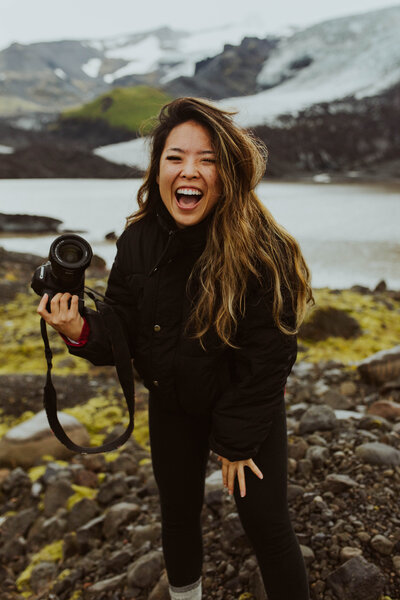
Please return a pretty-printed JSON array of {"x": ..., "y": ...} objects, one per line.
[
  {"x": 231, "y": 469},
  {"x": 64, "y": 319}
]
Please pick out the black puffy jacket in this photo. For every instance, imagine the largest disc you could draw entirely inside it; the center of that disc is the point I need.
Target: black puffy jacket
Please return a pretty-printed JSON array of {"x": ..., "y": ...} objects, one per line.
[{"x": 238, "y": 388}]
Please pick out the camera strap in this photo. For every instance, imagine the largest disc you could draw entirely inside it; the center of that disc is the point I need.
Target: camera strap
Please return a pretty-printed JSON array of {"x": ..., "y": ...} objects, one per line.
[{"x": 123, "y": 365}]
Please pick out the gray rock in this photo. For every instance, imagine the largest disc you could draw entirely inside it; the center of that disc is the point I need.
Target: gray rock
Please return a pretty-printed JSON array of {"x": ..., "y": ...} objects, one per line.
[
  {"x": 349, "y": 552},
  {"x": 336, "y": 483},
  {"x": 214, "y": 490},
  {"x": 145, "y": 533},
  {"x": 118, "y": 515},
  {"x": 357, "y": 579},
  {"x": 106, "y": 585},
  {"x": 54, "y": 528},
  {"x": 26, "y": 443},
  {"x": 317, "y": 418},
  {"x": 56, "y": 495},
  {"x": 376, "y": 453},
  {"x": 293, "y": 491},
  {"x": 318, "y": 455},
  {"x": 297, "y": 447},
  {"x": 396, "y": 563},
  {"x": 374, "y": 422},
  {"x": 82, "y": 512},
  {"x": 145, "y": 572},
  {"x": 308, "y": 554},
  {"x": 382, "y": 544},
  {"x": 114, "y": 487},
  {"x": 337, "y": 401},
  {"x": 233, "y": 533},
  {"x": 161, "y": 590},
  {"x": 42, "y": 575}
]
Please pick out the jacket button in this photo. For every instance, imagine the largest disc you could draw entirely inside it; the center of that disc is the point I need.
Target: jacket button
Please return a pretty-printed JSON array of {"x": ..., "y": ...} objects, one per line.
[
  {"x": 157, "y": 328},
  {"x": 155, "y": 382}
]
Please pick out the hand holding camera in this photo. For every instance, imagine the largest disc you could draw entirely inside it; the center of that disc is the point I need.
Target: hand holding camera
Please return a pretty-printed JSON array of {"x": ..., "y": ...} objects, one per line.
[
  {"x": 64, "y": 316},
  {"x": 69, "y": 256}
]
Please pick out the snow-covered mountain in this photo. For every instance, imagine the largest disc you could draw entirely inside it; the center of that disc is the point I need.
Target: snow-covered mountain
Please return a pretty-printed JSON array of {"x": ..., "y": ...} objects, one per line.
[
  {"x": 354, "y": 57},
  {"x": 262, "y": 77}
]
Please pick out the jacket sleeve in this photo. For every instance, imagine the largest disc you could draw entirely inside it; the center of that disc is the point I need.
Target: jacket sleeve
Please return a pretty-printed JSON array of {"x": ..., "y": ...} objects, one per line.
[
  {"x": 242, "y": 416},
  {"x": 98, "y": 349}
]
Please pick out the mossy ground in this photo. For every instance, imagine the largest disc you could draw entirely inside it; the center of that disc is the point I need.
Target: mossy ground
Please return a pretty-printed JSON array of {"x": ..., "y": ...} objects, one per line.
[
  {"x": 131, "y": 108},
  {"x": 380, "y": 327},
  {"x": 22, "y": 352}
]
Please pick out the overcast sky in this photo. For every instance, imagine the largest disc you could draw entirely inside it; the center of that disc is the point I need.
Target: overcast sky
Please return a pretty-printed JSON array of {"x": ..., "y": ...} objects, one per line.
[{"x": 27, "y": 21}]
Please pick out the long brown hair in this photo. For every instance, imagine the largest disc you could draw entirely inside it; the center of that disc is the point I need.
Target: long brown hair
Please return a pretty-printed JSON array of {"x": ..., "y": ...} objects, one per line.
[{"x": 243, "y": 237}]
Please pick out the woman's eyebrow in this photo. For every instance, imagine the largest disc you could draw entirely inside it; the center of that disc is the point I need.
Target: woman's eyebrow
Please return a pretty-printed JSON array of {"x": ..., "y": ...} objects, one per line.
[{"x": 183, "y": 151}]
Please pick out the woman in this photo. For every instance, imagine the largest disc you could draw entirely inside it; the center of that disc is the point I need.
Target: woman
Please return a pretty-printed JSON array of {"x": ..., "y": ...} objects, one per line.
[{"x": 210, "y": 290}]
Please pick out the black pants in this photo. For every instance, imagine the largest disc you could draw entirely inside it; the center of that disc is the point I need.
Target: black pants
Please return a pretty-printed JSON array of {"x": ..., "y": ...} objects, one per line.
[{"x": 179, "y": 447}]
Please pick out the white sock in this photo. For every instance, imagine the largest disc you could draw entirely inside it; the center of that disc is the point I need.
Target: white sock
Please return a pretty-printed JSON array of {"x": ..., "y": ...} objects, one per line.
[{"x": 187, "y": 592}]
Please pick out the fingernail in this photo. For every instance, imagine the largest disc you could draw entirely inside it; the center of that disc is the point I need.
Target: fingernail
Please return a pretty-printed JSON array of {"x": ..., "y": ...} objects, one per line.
[{"x": 242, "y": 494}]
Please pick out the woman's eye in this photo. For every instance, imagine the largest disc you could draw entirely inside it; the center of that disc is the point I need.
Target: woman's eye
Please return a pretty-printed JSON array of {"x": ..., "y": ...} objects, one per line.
[
  {"x": 173, "y": 157},
  {"x": 209, "y": 160}
]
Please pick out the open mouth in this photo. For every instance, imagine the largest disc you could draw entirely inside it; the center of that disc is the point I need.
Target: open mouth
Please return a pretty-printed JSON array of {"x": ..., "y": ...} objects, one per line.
[{"x": 188, "y": 198}]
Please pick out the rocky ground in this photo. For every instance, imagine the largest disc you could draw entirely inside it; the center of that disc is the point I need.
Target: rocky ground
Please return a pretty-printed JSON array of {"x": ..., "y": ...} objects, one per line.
[{"x": 80, "y": 527}]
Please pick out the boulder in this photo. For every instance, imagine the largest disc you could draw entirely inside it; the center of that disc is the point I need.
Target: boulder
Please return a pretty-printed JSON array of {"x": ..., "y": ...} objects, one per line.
[
  {"x": 385, "y": 408},
  {"x": 28, "y": 224},
  {"x": 380, "y": 367},
  {"x": 357, "y": 579},
  {"x": 317, "y": 418},
  {"x": 329, "y": 322},
  {"x": 27, "y": 442},
  {"x": 146, "y": 570},
  {"x": 376, "y": 453}
]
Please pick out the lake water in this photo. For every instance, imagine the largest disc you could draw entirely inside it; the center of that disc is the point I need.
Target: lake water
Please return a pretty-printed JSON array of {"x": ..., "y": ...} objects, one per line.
[{"x": 349, "y": 234}]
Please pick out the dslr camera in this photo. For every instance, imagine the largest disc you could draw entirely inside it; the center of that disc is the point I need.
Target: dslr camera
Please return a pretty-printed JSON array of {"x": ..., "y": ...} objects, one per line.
[{"x": 69, "y": 257}]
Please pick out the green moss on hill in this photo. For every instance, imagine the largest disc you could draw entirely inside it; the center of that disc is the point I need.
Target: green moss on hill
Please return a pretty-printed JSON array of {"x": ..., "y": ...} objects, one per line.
[{"x": 129, "y": 108}]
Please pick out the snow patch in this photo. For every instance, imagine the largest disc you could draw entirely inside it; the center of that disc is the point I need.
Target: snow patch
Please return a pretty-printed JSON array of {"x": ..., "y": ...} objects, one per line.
[
  {"x": 92, "y": 67},
  {"x": 61, "y": 74},
  {"x": 6, "y": 149},
  {"x": 355, "y": 56},
  {"x": 135, "y": 153}
]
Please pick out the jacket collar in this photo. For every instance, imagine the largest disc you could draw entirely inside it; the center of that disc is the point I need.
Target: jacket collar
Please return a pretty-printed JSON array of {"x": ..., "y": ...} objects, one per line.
[{"x": 194, "y": 235}]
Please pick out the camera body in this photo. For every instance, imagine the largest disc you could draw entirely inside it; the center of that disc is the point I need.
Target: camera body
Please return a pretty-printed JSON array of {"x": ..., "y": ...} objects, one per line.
[{"x": 69, "y": 257}]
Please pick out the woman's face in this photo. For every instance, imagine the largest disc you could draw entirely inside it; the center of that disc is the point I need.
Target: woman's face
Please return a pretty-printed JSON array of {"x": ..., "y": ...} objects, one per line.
[{"x": 188, "y": 179}]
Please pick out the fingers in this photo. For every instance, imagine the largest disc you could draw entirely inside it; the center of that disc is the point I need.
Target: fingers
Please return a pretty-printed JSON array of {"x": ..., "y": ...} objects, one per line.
[
  {"x": 254, "y": 468},
  {"x": 231, "y": 469},
  {"x": 231, "y": 478},
  {"x": 41, "y": 309},
  {"x": 61, "y": 313},
  {"x": 242, "y": 481}
]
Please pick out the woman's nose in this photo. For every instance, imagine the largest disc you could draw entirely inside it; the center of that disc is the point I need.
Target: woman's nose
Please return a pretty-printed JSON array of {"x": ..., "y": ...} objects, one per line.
[{"x": 189, "y": 170}]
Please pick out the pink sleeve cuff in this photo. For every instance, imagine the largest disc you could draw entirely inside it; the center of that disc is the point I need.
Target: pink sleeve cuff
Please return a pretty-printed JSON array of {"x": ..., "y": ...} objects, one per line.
[{"x": 82, "y": 339}]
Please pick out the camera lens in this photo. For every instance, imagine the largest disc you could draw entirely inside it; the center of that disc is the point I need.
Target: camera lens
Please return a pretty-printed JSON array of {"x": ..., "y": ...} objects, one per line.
[
  {"x": 69, "y": 256},
  {"x": 70, "y": 253}
]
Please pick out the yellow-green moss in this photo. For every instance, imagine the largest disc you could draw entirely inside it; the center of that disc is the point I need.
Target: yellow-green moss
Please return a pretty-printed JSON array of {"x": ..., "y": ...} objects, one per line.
[
  {"x": 77, "y": 595},
  {"x": 50, "y": 553},
  {"x": 36, "y": 472},
  {"x": 22, "y": 349},
  {"x": 144, "y": 461},
  {"x": 81, "y": 492},
  {"x": 246, "y": 596},
  {"x": 380, "y": 327},
  {"x": 141, "y": 430}
]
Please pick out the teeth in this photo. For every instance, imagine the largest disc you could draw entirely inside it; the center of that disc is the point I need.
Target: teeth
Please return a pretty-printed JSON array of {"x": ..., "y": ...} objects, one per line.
[{"x": 188, "y": 192}]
